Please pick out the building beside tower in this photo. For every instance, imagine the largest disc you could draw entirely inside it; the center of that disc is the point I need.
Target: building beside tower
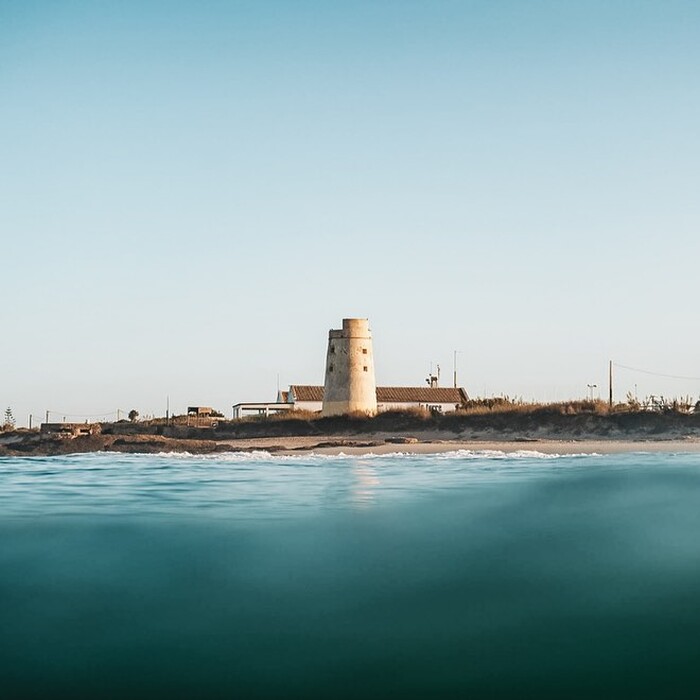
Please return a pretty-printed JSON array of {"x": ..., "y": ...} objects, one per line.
[{"x": 350, "y": 386}]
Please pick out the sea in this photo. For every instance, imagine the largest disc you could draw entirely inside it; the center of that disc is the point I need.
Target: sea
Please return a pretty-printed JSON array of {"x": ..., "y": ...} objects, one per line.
[{"x": 470, "y": 574}]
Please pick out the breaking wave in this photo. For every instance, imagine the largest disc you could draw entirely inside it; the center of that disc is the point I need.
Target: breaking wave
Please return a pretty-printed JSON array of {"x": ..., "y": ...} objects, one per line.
[{"x": 264, "y": 455}]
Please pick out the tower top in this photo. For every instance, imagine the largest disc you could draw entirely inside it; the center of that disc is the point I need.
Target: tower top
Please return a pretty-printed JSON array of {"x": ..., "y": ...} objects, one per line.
[
  {"x": 356, "y": 323},
  {"x": 352, "y": 328}
]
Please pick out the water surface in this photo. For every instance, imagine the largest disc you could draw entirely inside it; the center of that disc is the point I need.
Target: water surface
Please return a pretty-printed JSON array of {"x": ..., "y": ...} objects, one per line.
[{"x": 453, "y": 575}]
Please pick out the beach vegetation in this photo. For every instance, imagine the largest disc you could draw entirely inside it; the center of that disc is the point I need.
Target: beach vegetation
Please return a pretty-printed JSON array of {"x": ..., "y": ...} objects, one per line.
[
  {"x": 8, "y": 419},
  {"x": 633, "y": 403},
  {"x": 500, "y": 417}
]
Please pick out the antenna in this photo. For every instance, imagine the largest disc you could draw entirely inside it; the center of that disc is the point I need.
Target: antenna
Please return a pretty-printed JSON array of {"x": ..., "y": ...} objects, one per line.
[{"x": 433, "y": 379}]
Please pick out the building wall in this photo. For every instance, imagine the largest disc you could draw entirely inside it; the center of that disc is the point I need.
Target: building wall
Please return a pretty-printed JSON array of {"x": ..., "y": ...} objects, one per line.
[
  {"x": 314, "y": 406},
  {"x": 308, "y": 405},
  {"x": 350, "y": 385},
  {"x": 442, "y": 407}
]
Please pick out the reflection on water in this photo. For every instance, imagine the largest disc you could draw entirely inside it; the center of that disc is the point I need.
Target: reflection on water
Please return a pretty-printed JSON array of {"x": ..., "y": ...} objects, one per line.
[
  {"x": 450, "y": 576},
  {"x": 248, "y": 486},
  {"x": 366, "y": 481}
]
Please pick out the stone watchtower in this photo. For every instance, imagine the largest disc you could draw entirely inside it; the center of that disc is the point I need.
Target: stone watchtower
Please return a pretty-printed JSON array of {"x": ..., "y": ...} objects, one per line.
[{"x": 350, "y": 385}]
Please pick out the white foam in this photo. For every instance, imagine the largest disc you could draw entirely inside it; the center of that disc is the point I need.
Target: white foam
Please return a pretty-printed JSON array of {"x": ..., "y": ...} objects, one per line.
[
  {"x": 517, "y": 454},
  {"x": 255, "y": 455},
  {"x": 265, "y": 456}
]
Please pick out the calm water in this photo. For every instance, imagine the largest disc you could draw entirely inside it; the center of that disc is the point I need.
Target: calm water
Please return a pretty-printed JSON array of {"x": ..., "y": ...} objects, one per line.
[{"x": 460, "y": 575}]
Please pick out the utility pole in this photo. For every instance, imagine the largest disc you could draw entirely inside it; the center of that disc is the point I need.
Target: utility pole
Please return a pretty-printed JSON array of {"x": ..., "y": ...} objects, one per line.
[
  {"x": 167, "y": 410},
  {"x": 454, "y": 367},
  {"x": 30, "y": 421},
  {"x": 610, "y": 383},
  {"x": 47, "y": 417}
]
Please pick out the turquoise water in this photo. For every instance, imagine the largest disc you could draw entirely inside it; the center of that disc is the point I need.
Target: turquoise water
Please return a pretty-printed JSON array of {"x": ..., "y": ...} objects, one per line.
[{"x": 458, "y": 575}]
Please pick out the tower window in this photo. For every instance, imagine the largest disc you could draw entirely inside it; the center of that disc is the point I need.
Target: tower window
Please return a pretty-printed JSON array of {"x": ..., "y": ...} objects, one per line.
[
  {"x": 364, "y": 369},
  {"x": 332, "y": 349},
  {"x": 364, "y": 351},
  {"x": 330, "y": 368}
]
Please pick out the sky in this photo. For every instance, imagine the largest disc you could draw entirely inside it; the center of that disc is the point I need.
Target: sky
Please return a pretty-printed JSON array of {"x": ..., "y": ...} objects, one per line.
[{"x": 193, "y": 193}]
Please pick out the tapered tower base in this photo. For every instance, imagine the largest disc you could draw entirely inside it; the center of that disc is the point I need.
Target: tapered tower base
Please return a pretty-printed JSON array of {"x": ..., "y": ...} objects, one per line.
[{"x": 350, "y": 386}]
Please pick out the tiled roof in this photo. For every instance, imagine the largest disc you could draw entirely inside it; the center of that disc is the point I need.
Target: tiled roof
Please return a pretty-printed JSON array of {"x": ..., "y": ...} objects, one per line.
[
  {"x": 420, "y": 394},
  {"x": 392, "y": 394},
  {"x": 305, "y": 392}
]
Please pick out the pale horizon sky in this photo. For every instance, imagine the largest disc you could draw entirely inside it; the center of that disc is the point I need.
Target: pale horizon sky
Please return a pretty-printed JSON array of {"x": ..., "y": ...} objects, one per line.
[{"x": 193, "y": 193}]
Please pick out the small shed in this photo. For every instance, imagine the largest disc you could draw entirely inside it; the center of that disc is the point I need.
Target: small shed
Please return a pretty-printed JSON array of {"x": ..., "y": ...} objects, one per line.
[
  {"x": 69, "y": 430},
  {"x": 202, "y": 417},
  {"x": 200, "y": 411}
]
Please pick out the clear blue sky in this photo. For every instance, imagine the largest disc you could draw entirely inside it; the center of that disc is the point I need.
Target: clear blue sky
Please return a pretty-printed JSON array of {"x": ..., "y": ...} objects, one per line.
[{"x": 193, "y": 193}]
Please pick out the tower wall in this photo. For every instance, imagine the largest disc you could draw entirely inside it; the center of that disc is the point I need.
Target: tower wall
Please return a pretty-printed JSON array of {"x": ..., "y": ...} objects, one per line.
[{"x": 350, "y": 385}]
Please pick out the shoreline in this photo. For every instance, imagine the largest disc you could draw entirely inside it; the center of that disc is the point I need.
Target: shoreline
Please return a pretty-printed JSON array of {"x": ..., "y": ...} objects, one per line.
[
  {"x": 333, "y": 445},
  {"x": 548, "y": 429},
  {"x": 551, "y": 447}
]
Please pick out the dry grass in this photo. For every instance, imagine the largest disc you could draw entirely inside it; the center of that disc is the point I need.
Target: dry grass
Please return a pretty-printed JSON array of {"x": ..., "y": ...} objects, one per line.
[
  {"x": 479, "y": 407},
  {"x": 280, "y": 417}
]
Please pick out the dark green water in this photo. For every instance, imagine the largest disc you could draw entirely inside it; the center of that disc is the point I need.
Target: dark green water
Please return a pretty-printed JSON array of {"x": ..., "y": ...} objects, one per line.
[{"x": 459, "y": 576}]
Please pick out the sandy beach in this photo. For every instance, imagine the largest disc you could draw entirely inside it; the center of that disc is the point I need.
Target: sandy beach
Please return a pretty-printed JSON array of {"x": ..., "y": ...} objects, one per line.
[
  {"x": 415, "y": 442},
  {"x": 330, "y": 445}
]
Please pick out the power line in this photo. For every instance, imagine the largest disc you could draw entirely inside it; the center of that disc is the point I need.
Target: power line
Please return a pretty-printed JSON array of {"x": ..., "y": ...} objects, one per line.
[
  {"x": 657, "y": 374},
  {"x": 84, "y": 415}
]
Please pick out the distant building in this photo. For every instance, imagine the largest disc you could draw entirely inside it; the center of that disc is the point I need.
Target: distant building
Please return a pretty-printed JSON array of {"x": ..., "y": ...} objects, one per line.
[
  {"x": 304, "y": 397},
  {"x": 200, "y": 411},
  {"x": 69, "y": 430},
  {"x": 202, "y": 416},
  {"x": 260, "y": 408},
  {"x": 432, "y": 398}
]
